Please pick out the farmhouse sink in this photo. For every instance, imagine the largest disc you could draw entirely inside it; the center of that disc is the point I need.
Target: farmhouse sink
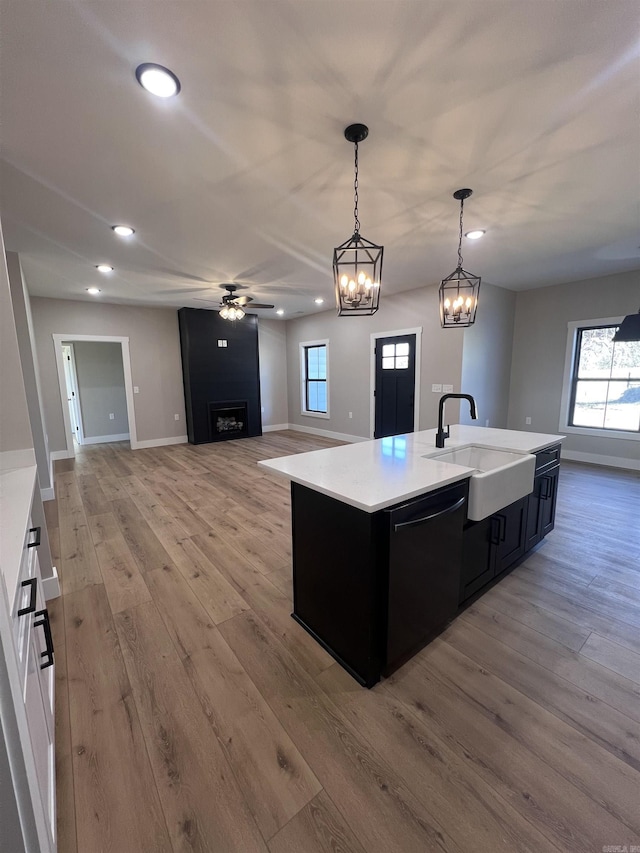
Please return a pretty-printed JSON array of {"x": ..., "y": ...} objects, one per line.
[{"x": 501, "y": 477}]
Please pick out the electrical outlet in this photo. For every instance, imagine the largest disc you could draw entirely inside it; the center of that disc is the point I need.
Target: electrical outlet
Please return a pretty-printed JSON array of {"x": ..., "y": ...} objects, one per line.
[
  {"x": 527, "y": 420},
  {"x": 350, "y": 414},
  {"x": 486, "y": 423},
  {"x": 136, "y": 390},
  {"x": 176, "y": 417},
  {"x": 448, "y": 389},
  {"x": 111, "y": 416},
  {"x": 436, "y": 387}
]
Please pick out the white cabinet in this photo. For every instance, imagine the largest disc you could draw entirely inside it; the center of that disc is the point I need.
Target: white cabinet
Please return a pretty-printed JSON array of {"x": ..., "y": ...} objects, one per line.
[{"x": 27, "y": 677}]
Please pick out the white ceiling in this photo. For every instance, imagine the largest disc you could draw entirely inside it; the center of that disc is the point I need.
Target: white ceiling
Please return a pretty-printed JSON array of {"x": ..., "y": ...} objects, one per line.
[{"x": 246, "y": 177}]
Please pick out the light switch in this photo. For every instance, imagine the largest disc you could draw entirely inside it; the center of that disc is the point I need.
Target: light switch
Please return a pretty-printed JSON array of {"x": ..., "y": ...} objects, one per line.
[
  {"x": 527, "y": 420},
  {"x": 436, "y": 387},
  {"x": 136, "y": 390},
  {"x": 448, "y": 389},
  {"x": 111, "y": 416},
  {"x": 176, "y": 417},
  {"x": 222, "y": 343}
]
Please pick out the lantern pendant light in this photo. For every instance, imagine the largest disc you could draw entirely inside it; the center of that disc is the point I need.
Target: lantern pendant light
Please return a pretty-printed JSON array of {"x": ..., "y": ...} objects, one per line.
[
  {"x": 459, "y": 291},
  {"x": 357, "y": 263}
]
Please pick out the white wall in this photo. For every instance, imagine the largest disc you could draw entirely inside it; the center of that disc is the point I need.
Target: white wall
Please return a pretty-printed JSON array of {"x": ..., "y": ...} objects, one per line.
[
  {"x": 539, "y": 344},
  {"x": 101, "y": 388},
  {"x": 272, "y": 347},
  {"x": 16, "y": 442},
  {"x": 24, "y": 331},
  {"x": 155, "y": 361},
  {"x": 486, "y": 357},
  {"x": 350, "y": 354}
]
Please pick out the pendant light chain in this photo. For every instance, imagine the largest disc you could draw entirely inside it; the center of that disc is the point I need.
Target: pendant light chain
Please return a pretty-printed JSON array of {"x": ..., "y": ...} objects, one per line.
[
  {"x": 460, "y": 238},
  {"x": 355, "y": 194}
]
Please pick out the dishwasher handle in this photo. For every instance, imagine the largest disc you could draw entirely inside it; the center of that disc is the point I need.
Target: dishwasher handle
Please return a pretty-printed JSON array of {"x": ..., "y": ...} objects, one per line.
[{"x": 415, "y": 521}]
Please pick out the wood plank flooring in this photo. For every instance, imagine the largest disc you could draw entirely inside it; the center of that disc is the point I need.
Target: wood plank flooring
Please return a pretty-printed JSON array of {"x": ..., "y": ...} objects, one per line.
[{"x": 193, "y": 714}]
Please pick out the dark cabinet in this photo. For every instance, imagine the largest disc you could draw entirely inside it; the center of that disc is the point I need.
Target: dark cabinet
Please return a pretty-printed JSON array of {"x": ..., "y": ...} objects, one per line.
[
  {"x": 382, "y": 584},
  {"x": 541, "y": 511},
  {"x": 493, "y": 545}
]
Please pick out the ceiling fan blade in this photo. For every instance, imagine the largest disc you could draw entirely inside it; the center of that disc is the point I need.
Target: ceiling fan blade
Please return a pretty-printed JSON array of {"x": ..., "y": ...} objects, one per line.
[
  {"x": 242, "y": 300},
  {"x": 259, "y": 305}
]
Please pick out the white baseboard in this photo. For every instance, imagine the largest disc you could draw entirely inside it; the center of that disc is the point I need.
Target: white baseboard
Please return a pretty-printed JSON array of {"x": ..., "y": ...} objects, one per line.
[
  {"x": 51, "y": 586},
  {"x": 159, "y": 442},
  {"x": 17, "y": 458},
  {"x": 61, "y": 454},
  {"x": 48, "y": 494},
  {"x": 598, "y": 459},
  {"x": 275, "y": 427},
  {"x": 339, "y": 436},
  {"x": 105, "y": 439}
]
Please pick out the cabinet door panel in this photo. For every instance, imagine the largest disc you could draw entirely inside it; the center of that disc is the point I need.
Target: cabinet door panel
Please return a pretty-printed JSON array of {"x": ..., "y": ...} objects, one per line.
[
  {"x": 512, "y": 533},
  {"x": 548, "y": 498},
  {"x": 478, "y": 541}
]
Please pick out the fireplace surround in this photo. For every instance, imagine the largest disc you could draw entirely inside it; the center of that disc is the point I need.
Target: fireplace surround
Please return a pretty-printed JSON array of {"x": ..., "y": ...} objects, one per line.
[{"x": 221, "y": 376}]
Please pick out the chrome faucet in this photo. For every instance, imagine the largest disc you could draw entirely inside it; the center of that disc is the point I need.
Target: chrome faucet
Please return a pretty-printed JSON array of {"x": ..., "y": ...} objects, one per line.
[{"x": 442, "y": 434}]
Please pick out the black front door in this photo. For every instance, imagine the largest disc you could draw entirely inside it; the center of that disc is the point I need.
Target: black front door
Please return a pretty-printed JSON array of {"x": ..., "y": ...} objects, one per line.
[{"x": 395, "y": 385}]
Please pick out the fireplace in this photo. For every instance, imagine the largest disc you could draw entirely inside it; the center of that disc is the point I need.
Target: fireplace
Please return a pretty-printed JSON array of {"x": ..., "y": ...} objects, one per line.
[{"x": 228, "y": 420}]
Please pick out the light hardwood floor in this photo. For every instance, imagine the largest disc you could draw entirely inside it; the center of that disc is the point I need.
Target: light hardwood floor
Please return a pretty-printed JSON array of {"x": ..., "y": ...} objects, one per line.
[{"x": 193, "y": 714}]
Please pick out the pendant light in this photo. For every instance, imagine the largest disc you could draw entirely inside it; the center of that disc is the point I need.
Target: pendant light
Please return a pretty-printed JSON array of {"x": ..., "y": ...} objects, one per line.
[
  {"x": 629, "y": 329},
  {"x": 459, "y": 291},
  {"x": 357, "y": 263}
]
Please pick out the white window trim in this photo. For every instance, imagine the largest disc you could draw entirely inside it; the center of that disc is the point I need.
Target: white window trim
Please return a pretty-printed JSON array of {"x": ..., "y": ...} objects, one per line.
[
  {"x": 572, "y": 332},
  {"x": 303, "y": 377}
]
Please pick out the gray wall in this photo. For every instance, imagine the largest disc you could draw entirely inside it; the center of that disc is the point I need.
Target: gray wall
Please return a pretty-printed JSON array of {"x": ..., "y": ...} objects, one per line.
[
  {"x": 350, "y": 353},
  {"x": 539, "y": 345},
  {"x": 101, "y": 388},
  {"x": 486, "y": 357},
  {"x": 155, "y": 360},
  {"x": 15, "y": 429},
  {"x": 26, "y": 345},
  {"x": 272, "y": 346}
]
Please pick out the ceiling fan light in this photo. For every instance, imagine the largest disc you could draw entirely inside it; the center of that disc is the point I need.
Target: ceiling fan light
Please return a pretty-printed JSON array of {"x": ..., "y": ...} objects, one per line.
[{"x": 224, "y": 312}]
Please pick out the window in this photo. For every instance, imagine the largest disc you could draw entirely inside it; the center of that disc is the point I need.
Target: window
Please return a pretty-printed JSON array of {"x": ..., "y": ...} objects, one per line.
[
  {"x": 315, "y": 384},
  {"x": 395, "y": 356},
  {"x": 603, "y": 388}
]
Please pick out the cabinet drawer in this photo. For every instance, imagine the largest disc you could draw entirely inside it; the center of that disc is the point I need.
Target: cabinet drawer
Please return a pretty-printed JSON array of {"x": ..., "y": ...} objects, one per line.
[
  {"x": 547, "y": 458},
  {"x": 25, "y": 603}
]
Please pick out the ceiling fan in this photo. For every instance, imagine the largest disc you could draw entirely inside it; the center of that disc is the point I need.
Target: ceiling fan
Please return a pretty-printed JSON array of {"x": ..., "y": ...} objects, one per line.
[{"x": 232, "y": 306}]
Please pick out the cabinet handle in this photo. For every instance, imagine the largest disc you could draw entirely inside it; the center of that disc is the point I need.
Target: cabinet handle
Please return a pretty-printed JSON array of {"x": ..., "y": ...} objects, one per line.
[
  {"x": 495, "y": 530},
  {"x": 44, "y": 621},
  {"x": 545, "y": 491},
  {"x": 36, "y": 541},
  {"x": 33, "y": 583},
  {"x": 433, "y": 515}
]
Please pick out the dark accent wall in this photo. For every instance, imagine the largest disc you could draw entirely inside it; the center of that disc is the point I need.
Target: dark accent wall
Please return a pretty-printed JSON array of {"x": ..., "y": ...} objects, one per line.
[{"x": 215, "y": 374}]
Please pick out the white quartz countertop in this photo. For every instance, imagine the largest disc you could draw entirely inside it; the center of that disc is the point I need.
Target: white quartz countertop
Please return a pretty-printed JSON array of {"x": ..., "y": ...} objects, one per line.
[
  {"x": 373, "y": 475},
  {"x": 16, "y": 495}
]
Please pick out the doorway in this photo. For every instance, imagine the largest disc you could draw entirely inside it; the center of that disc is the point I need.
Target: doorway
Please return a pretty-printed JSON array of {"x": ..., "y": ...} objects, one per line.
[
  {"x": 395, "y": 382},
  {"x": 73, "y": 394},
  {"x": 71, "y": 440}
]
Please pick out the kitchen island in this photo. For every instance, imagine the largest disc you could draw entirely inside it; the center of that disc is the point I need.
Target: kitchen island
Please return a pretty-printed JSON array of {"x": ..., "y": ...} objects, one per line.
[{"x": 391, "y": 538}]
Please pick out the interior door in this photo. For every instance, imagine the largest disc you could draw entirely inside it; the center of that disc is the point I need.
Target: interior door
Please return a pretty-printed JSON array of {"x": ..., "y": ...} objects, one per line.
[
  {"x": 72, "y": 392},
  {"x": 395, "y": 385}
]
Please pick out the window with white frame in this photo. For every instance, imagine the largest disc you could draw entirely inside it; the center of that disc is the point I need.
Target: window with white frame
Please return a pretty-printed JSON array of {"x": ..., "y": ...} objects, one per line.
[
  {"x": 602, "y": 381},
  {"x": 315, "y": 378}
]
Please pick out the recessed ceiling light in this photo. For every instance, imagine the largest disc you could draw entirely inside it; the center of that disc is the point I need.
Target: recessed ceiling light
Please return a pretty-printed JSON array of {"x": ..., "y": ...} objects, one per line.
[
  {"x": 280, "y": 311},
  {"x": 104, "y": 268},
  {"x": 123, "y": 230},
  {"x": 157, "y": 79},
  {"x": 475, "y": 235},
  {"x": 318, "y": 301},
  {"x": 94, "y": 291}
]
